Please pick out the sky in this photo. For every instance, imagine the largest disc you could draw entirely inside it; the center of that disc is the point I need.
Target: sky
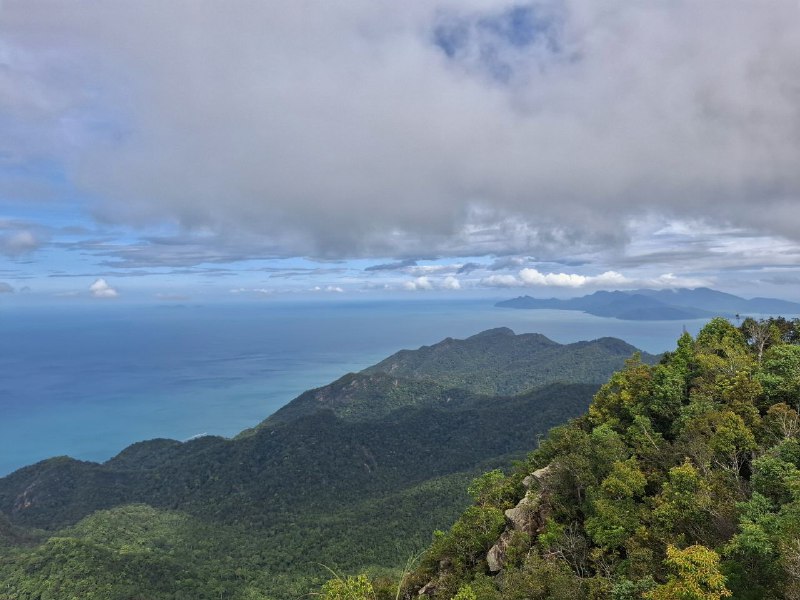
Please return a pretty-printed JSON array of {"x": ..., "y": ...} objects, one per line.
[{"x": 196, "y": 150}]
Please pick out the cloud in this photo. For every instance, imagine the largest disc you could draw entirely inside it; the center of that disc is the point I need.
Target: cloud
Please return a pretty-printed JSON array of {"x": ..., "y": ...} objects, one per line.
[
  {"x": 182, "y": 249},
  {"x": 607, "y": 280},
  {"x": 532, "y": 276},
  {"x": 783, "y": 279},
  {"x": 465, "y": 128},
  {"x": 6, "y": 288},
  {"x": 668, "y": 280},
  {"x": 425, "y": 283},
  {"x": 101, "y": 289},
  {"x": 328, "y": 288},
  {"x": 395, "y": 266},
  {"x": 259, "y": 291},
  {"x": 467, "y": 268},
  {"x": 501, "y": 281},
  {"x": 15, "y": 243},
  {"x": 276, "y": 273},
  {"x": 451, "y": 283},
  {"x": 420, "y": 283},
  {"x": 431, "y": 269},
  {"x": 507, "y": 262}
]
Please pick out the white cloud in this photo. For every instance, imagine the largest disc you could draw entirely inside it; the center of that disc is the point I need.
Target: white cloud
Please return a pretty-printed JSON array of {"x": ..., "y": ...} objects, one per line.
[
  {"x": 668, "y": 280},
  {"x": 502, "y": 281},
  {"x": 328, "y": 288},
  {"x": 606, "y": 280},
  {"x": 101, "y": 289},
  {"x": 242, "y": 290},
  {"x": 420, "y": 283},
  {"x": 451, "y": 283},
  {"x": 531, "y": 276}
]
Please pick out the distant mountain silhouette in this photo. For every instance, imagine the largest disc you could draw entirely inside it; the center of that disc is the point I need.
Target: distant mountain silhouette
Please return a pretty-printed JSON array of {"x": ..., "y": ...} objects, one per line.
[{"x": 659, "y": 305}]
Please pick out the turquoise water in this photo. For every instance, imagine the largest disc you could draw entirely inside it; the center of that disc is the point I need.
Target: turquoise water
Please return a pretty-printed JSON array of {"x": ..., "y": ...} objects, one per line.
[{"x": 86, "y": 382}]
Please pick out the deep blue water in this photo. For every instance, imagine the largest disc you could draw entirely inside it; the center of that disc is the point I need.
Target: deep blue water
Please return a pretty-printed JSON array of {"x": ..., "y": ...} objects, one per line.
[{"x": 87, "y": 381}]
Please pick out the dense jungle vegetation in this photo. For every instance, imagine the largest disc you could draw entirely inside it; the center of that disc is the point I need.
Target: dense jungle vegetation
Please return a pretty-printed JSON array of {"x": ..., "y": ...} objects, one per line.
[
  {"x": 681, "y": 482},
  {"x": 354, "y": 475}
]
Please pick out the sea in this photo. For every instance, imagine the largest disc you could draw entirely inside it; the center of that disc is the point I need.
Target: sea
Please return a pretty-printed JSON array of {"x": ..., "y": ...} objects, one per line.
[{"x": 86, "y": 381}]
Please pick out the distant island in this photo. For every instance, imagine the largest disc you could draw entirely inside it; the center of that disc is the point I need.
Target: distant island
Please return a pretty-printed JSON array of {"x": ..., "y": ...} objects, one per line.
[{"x": 660, "y": 305}]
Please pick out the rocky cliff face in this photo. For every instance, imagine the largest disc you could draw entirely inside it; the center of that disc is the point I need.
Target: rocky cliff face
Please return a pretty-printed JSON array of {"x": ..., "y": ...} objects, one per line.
[{"x": 528, "y": 517}]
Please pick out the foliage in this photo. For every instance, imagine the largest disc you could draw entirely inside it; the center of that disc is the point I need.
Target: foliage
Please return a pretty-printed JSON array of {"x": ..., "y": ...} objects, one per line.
[
  {"x": 695, "y": 576},
  {"x": 682, "y": 482},
  {"x": 349, "y": 588},
  {"x": 497, "y": 362},
  {"x": 355, "y": 475}
]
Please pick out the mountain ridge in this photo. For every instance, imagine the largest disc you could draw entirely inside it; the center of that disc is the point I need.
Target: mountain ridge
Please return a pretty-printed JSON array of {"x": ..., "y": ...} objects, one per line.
[
  {"x": 347, "y": 455},
  {"x": 659, "y": 305}
]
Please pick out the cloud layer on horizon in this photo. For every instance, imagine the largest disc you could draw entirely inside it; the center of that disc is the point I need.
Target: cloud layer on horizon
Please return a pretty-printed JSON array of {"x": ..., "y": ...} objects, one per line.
[{"x": 459, "y": 128}]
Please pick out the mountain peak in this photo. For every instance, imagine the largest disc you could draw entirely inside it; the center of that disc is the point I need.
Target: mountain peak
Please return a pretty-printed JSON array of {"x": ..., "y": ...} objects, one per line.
[{"x": 492, "y": 333}]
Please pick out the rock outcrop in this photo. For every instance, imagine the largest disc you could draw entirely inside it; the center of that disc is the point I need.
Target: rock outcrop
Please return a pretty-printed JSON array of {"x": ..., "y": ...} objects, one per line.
[{"x": 528, "y": 516}]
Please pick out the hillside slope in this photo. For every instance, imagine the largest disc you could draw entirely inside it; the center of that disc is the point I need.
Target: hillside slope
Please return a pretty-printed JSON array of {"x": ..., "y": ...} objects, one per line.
[
  {"x": 682, "y": 481},
  {"x": 498, "y": 362},
  {"x": 353, "y": 474}
]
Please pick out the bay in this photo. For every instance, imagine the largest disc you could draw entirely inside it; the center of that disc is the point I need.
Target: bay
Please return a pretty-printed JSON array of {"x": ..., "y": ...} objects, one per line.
[{"x": 87, "y": 381}]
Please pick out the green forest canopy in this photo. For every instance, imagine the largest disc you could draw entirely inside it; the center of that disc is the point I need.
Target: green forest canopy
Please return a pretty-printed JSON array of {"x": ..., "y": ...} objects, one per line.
[{"x": 681, "y": 482}]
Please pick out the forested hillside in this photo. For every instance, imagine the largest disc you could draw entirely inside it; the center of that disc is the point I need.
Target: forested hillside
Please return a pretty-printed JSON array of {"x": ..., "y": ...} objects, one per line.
[
  {"x": 353, "y": 475},
  {"x": 681, "y": 482},
  {"x": 498, "y": 362}
]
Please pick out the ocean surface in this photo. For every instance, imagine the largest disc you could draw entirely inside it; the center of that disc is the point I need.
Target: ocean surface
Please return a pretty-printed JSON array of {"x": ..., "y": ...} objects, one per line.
[{"x": 88, "y": 381}]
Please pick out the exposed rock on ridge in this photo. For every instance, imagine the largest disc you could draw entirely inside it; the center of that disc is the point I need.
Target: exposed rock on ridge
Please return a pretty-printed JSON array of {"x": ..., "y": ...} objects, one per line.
[{"x": 528, "y": 516}]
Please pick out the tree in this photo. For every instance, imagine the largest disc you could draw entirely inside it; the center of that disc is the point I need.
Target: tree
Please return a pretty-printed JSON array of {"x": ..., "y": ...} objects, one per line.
[
  {"x": 760, "y": 335},
  {"x": 780, "y": 374},
  {"x": 616, "y": 513},
  {"x": 683, "y": 506},
  {"x": 782, "y": 421},
  {"x": 696, "y": 576},
  {"x": 350, "y": 588}
]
